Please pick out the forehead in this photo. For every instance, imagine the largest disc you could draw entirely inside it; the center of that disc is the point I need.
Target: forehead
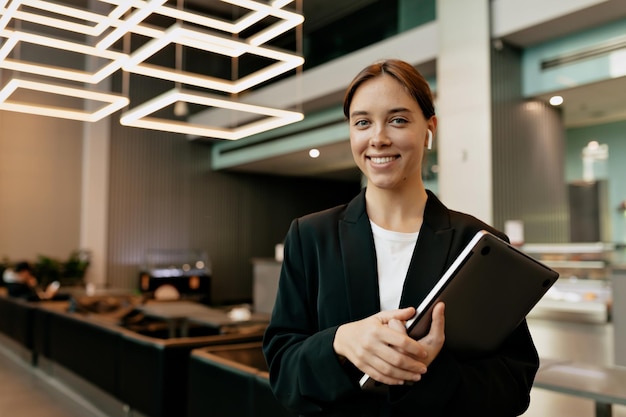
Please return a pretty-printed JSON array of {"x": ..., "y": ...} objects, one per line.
[{"x": 382, "y": 90}]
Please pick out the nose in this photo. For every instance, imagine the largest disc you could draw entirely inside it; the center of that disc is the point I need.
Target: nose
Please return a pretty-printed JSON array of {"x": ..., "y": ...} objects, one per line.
[{"x": 379, "y": 137}]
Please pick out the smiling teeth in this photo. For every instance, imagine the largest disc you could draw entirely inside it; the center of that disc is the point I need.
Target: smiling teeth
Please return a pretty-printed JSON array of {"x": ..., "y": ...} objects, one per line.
[{"x": 382, "y": 160}]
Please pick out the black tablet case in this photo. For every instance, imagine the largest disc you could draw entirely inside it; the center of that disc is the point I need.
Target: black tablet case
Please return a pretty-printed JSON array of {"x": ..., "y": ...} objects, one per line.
[{"x": 488, "y": 290}]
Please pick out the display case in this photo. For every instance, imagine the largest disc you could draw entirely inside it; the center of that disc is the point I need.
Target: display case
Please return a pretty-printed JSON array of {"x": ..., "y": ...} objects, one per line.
[
  {"x": 583, "y": 291},
  {"x": 186, "y": 273}
]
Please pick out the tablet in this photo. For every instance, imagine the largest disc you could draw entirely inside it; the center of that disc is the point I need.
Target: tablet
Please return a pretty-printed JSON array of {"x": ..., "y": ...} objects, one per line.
[{"x": 488, "y": 290}]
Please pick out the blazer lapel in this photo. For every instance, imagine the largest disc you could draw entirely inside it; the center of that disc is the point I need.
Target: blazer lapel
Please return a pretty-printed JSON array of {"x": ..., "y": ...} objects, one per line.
[
  {"x": 360, "y": 266},
  {"x": 430, "y": 255}
]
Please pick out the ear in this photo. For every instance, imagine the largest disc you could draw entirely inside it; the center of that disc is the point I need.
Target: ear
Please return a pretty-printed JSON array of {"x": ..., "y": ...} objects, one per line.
[{"x": 429, "y": 144}]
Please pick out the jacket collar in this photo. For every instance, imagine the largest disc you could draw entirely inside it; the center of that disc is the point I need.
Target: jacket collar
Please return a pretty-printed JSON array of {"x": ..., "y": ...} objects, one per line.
[{"x": 360, "y": 266}]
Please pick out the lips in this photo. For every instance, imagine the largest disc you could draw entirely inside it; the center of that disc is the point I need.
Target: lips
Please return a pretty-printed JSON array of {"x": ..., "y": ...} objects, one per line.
[{"x": 382, "y": 159}]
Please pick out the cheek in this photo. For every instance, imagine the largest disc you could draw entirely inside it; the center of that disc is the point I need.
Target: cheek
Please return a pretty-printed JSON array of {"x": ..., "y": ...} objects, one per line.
[
  {"x": 355, "y": 152},
  {"x": 358, "y": 143},
  {"x": 410, "y": 143}
]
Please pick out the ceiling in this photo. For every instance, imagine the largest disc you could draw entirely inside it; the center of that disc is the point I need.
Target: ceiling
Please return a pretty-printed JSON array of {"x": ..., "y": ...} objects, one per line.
[
  {"x": 318, "y": 13},
  {"x": 583, "y": 105},
  {"x": 591, "y": 103}
]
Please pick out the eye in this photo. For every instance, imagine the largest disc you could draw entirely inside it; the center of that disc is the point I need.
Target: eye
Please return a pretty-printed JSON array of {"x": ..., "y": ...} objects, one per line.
[
  {"x": 398, "y": 121},
  {"x": 361, "y": 123}
]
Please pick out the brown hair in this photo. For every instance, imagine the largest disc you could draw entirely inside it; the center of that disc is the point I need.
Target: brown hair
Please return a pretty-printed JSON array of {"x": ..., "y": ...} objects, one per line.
[{"x": 414, "y": 83}]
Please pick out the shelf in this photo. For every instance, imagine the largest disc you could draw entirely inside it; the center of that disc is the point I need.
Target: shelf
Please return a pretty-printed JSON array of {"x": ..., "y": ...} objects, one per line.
[
  {"x": 575, "y": 264},
  {"x": 567, "y": 248},
  {"x": 581, "y": 312}
]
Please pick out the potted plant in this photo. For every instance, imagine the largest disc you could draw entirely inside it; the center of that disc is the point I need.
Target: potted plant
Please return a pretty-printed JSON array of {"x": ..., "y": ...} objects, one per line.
[{"x": 69, "y": 273}]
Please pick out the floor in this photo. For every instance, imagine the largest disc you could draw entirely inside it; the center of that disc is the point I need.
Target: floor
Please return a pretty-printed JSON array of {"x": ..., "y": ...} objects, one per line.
[
  {"x": 590, "y": 343},
  {"x": 29, "y": 392}
]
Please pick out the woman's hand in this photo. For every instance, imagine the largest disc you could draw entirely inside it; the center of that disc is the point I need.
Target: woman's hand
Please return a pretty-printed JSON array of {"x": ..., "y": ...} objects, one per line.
[
  {"x": 379, "y": 346},
  {"x": 433, "y": 341}
]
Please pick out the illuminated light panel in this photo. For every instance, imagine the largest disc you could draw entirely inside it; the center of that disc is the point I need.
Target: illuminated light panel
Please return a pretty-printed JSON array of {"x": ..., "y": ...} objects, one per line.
[
  {"x": 138, "y": 117},
  {"x": 115, "y": 102},
  {"x": 272, "y": 32},
  {"x": 99, "y": 22},
  {"x": 211, "y": 43},
  {"x": 116, "y": 59},
  {"x": 259, "y": 12},
  {"x": 190, "y": 38},
  {"x": 280, "y": 3},
  {"x": 134, "y": 19},
  {"x": 289, "y": 19}
]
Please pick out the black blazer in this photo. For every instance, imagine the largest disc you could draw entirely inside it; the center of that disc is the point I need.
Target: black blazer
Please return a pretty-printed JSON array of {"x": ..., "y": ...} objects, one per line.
[{"x": 329, "y": 278}]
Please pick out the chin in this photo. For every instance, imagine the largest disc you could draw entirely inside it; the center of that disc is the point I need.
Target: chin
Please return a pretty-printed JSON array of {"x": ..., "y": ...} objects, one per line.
[{"x": 383, "y": 184}]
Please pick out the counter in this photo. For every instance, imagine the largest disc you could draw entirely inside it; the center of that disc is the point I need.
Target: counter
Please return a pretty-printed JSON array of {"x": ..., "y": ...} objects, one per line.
[
  {"x": 618, "y": 282},
  {"x": 583, "y": 291},
  {"x": 265, "y": 276}
]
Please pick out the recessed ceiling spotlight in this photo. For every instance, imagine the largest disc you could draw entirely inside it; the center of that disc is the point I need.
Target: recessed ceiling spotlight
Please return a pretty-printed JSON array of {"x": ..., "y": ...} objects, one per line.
[
  {"x": 314, "y": 153},
  {"x": 556, "y": 100},
  {"x": 593, "y": 144}
]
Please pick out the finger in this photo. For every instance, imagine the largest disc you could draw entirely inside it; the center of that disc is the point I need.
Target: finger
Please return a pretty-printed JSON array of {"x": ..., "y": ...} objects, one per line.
[
  {"x": 393, "y": 368},
  {"x": 397, "y": 325},
  {"x": 402, "y": 342},
  {"x": 437, "y": 327},
  {"x": 402, "y": 314}
]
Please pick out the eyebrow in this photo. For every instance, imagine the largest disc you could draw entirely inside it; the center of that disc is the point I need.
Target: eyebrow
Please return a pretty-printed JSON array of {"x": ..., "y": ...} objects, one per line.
[
  {"x": 399, "y": 110},
  {"x": 359, "y": 113},
  {"x": 392, "y": 111}
]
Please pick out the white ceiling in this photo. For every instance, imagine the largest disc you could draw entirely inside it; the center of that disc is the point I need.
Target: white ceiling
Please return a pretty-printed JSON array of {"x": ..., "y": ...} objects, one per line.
[{"x": 589, "y": 104}]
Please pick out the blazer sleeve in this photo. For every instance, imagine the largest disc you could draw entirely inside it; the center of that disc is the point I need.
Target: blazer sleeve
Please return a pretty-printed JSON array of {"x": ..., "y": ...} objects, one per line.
[{"x": 305, "y": 372}]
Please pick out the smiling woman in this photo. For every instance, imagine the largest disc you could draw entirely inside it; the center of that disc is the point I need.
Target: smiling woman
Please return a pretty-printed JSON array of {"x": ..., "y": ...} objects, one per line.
[
  {"x": 352, "y": 274},
  {"x": 389, "y": 134}
]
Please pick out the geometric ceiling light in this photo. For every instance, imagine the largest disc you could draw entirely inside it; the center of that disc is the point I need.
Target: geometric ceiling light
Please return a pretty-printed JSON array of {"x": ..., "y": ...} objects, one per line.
[
  {"x": 113, "y": 102},
  {"x": 288, "y": 20},
  {"x": 127, "y": 24},
  {"x": 140, "y": 116},
  {"x": 209, "y": 42},
  {"x": 212, "y": 35},
  {"x": 115, "y": 59},
  {"x": 58, "y": 16},
  {"x": 209, "y": 37},
  {"x": 69, "y": 18}
]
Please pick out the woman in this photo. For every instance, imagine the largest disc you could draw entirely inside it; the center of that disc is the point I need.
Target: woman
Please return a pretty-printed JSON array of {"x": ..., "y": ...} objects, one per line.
[
  {"x": 351, "y": 275},
  {"x": 21, "y": 282}
]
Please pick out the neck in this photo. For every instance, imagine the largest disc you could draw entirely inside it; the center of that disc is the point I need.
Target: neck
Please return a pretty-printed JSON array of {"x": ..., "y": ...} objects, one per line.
[{"x": 397, "y": 211}]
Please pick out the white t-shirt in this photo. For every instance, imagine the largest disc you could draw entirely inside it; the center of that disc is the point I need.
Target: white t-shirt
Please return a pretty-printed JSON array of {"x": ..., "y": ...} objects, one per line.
[
  {"x": 393, "y": 254},
  {"x": 9, "y": 276}
]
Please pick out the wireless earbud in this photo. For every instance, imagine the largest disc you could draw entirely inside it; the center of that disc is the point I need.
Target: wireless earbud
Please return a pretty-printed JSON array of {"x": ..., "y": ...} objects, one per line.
[{"x": 429, "y": 145}]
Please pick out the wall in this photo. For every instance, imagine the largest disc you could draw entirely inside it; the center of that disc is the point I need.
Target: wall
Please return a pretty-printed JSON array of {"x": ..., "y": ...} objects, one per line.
[
  {"x": 40, "y": 186},
  {"x": 614, "y": 135},
  {"x": 528, "y": 155},
  {"x": 164, "y": 195},
  {"x": 594, "y": 66}
]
